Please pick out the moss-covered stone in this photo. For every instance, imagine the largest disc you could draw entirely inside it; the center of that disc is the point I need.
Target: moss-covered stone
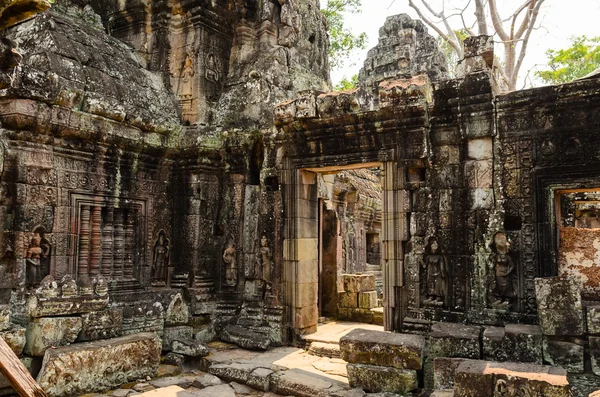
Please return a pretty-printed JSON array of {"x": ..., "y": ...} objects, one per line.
[{"x": 375, "y": 379}]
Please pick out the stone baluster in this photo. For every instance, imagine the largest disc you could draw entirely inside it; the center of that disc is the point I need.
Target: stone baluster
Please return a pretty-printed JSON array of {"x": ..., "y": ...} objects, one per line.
[
  {"x": 107, "y": 243},
  {"x": 84, "y": 241},
  {"x": 96, "y": 242},
  {"x": 118, "y": 244},
  {"x": 128, "y": 270}
]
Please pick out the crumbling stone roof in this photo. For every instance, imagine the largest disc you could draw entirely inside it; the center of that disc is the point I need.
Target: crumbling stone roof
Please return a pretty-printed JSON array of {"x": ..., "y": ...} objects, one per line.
[{"x": 71, "y": 63}]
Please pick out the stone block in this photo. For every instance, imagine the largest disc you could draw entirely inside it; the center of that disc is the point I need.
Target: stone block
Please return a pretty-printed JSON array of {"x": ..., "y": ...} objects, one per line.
[
  {"x": 378, "y": 316},
  {"x": 173, "y": 333},
  {"x": 593, "y": 319},
  {"x": 260, "y": 379},
  {"x": 405, "y": 91},
  {"x": 38, "y": 306},
  {"x": 245, "y": 338},
  {"x": 515, "y": 342},
  {"x": 174, "y": 359},
  {"x": 46, "y": 332},
  {"x": 178, "y": 312},
  {"x": 348, "y": 299},
  {"x": 444, "y": 369},
  {"x": 559, "y": 306},
  {"x": 4, "y": 317},
  {"x": 359, "y": 282},
  {"x": 595, "y": 354},
  {"x": 375, "y": 379},
  {"x": 14, "y": 338},
  {"x": 189, "y": 347},
  {"x": 104, "y": 324},
  {"x": 480, "y": 148},
  {"x": 402, "y": 351},
  {"x": 455, "y": 340},
  {"x": 299, "y": 384},
  {"x": 478, "y": 378},
  {"x": 367, "y": 300},
  {"x": 101, "y": 365},
  {"x": 568, "y": 355}
]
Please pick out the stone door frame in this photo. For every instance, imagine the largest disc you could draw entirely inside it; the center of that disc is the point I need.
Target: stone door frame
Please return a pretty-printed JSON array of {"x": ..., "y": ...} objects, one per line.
[{"x": 301, "y": 234}]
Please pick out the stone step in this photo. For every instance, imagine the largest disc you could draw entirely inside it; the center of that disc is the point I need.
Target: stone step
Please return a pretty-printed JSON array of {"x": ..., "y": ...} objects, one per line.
[
  {"x": 243, "y": 337},
  {"x": 322, "y": 349}
]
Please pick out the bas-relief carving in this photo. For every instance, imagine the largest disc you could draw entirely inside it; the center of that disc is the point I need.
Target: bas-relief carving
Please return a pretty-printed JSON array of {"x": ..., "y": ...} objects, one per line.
[
  {"x": 230, "y": 262},
  {"x": 437, "y": 273},
  {"x": 37, "y": 258},
  {"x": 160, "y": 258},
  {"x": 504, "y": 286}
]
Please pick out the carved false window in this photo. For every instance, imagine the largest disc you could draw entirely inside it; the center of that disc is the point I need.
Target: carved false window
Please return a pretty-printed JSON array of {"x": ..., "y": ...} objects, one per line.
[{"x": 108, "y": 239}]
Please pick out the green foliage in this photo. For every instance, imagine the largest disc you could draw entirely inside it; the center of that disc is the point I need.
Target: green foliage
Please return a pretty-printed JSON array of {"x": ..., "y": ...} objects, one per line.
[
  {"x": 341, "y": 40},
  {"x": 347, "y": 84},
  {"x": 449, "y": 52},
  {"x": 583, "y": 57}
]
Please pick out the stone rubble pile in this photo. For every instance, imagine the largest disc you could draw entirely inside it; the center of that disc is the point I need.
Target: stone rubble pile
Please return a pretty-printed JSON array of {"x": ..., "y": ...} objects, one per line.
[{"x": 358, "y": 302}]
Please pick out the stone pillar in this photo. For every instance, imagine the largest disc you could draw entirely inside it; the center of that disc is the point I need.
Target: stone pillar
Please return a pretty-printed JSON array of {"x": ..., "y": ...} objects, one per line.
[
  {"x": 96, "y": 242},
  {"x": 107, "y": 243},
  {"x": 118, "y": 243},
  {"x": 128, "y": 271},
  {"x": 84, "y": 241}
]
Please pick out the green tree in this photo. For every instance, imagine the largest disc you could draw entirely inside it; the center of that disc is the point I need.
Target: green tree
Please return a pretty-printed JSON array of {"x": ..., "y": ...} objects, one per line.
[
  {"x": 449, "y": 52},
  {"x": 341, "y": 40},
  {"x": 583, "y": 57},
  {"x": 347, "y": 84}
]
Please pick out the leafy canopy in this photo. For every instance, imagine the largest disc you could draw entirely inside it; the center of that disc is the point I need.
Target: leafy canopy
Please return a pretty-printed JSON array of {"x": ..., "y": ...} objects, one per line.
[
  {"x": 341, "y": 40},
  {"x": 583, "y": 57},
  {"x": 347, "y": 83}
]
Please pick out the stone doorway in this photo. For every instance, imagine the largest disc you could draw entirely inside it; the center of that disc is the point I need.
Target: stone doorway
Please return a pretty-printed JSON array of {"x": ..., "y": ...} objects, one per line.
[{"x": 313, "y": 244}]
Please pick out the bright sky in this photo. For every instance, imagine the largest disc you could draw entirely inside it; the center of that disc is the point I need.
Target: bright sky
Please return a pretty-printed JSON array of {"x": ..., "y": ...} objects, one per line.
[{"x": 561, "y": 19}]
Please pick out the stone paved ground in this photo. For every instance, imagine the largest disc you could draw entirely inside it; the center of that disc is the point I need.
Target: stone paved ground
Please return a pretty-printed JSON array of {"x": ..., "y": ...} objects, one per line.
[{"x": 288, "y": 371}]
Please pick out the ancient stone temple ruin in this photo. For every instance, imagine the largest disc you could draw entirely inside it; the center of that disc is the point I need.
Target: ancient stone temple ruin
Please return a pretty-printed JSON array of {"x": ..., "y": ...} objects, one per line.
[{"x": 175, "y": 173}]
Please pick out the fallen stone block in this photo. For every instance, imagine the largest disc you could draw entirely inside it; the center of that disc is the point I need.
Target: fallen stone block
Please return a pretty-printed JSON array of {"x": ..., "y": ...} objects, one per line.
[
  {"x": 444, "y": 370},
  {"x": 260, "y": 379},
  {"x": 189, "y": 347},
  {"x": 299, "y": 384},
  {"x": 478, "y": 378},
  {"x": 178, "y": 311},
  {"x": 104, "y": 324},
  {"x": 515, "y": 342},
  {"x": 375, "y": 379},
  {"x": 174, "y": 359},
  {"x": 183, "y": 382},
  {"x": 367, "y": 300},
  {"x": 564, "y": 354},
  {"x": 559, "y": 306},
  {"x": 595, "y": 354},
  {"x": 348, "y": 299},
  {"x": 233, "y": 372},
  {"x": 593, "y": 319},
  {"x": 101, "y": 365},
  {"x": 402, "y": 351},
  {"x": 455, "y": 340},
  {"x": 323, "y": 349},
  {"x": 14, "y": 338},
  {"x": 206, "y": 380},
  {"x": 173, "y": 333},
  {"x": 442, "y": 393},
  {"x": 359, "y": 282},
  {"x": 171, "y": 391},
  {"x": 245, "y": 338},
  {"x": 46, "y": 332}
]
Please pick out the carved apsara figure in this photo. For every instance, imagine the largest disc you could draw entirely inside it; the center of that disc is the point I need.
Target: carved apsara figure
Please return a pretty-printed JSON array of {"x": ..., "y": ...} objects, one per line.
[
  {"x": 437, "y": 272},
  {"x": 265, "y": 256},
  {"x": 212, "y": 78},
  {"x": 186, "y": 77},
  {"x": 230, "y": 262},
  {"x": 35, "y": 259},
  {"x": 160, "y": 260},
  {"x": 504, "y": 270}
]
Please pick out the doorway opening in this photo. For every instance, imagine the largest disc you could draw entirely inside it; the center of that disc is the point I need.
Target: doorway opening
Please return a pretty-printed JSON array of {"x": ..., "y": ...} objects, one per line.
[{"x": 350, "y": 225}]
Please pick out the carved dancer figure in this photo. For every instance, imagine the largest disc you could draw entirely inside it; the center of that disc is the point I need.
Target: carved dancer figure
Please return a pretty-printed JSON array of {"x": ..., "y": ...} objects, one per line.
[
  {"x": 35, "y": 255},
  {"x": 230, "y": 264},
  {"x": 265, "y": 256},
  {"x": 504, "y": 268},
  {"x": 436, "y": 268},
  {"x": 161, "y": 258}
]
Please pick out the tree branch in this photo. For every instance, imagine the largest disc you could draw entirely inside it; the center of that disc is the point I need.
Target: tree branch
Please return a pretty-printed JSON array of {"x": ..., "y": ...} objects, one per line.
[
  {"x": 497, "y": 21},
  {"x": 455, "y": 45},
  {"x": 523, "y": 51},
  {"x": 480, "y": 16}
]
